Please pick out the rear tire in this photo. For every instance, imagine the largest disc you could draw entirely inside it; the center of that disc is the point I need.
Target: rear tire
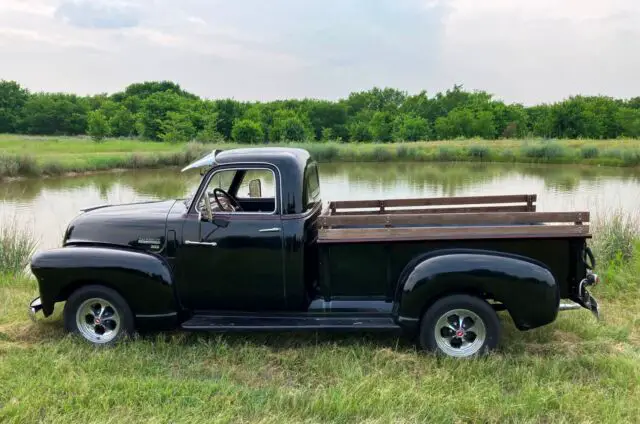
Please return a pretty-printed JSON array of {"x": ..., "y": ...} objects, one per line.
[
  {"x": 98, "y": 314},
  {"x": 460, "y": 326}
]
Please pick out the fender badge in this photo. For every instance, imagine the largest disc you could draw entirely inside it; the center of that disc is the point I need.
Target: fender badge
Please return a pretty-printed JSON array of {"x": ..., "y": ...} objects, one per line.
[{"x": 152, "y": 241}]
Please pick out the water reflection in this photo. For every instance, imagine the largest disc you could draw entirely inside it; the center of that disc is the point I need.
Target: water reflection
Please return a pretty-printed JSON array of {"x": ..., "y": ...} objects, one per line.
[{"x": 47, "y": 204}]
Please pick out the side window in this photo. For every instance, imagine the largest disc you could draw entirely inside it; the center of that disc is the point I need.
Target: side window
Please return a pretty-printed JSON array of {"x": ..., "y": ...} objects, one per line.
[
  {"x": 311, "y": 190},
  {"x": 222, "y": 180},
  {"x": 250, "y": 191},
  {"x": 257, "y": 183}
]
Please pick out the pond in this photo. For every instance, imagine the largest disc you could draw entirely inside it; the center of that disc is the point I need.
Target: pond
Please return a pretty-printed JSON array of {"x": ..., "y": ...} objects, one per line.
[{"x": 46, "y": 205}]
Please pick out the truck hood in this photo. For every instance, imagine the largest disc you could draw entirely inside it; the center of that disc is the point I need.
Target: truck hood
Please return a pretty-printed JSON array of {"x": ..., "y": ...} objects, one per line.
[{"x": 140, "y": 225}]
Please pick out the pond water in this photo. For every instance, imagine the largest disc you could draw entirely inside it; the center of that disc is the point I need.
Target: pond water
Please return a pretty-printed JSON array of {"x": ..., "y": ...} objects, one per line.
[{"x": 46, "y": 205}]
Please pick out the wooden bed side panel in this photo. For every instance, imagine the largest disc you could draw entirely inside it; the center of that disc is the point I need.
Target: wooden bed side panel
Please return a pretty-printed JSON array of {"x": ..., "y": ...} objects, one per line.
[{"x": 354, "y": 235}]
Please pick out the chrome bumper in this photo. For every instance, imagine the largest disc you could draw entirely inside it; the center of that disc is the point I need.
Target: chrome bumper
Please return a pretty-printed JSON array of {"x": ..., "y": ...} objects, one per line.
[{"x": 34, "y": 307}]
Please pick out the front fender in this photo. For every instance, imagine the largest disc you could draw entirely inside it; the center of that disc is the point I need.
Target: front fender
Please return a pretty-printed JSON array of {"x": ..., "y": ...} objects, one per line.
[
  {"x": 143, "y": 279},
  {"x": 524, "y": 286}
]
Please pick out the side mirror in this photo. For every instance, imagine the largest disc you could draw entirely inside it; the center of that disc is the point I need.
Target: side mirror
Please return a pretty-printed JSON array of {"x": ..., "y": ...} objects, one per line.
[{"x": 255, "y": 188}]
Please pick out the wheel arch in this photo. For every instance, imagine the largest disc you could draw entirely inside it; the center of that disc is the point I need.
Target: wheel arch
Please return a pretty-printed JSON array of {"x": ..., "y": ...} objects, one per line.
[
  {"x": 144, "y": 280},
  {"x": 509, "y": 279}
]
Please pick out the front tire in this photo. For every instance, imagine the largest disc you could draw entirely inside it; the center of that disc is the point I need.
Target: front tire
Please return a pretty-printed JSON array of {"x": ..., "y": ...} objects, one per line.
[
  {"x": 98, "y": 314},
  {"x": 460, "y": 326}
]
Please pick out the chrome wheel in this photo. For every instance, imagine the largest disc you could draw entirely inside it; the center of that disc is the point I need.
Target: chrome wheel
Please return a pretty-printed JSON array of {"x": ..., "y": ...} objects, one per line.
[
  {"x": 460, "y": 333},
  {"x": 98, "y": 320}
]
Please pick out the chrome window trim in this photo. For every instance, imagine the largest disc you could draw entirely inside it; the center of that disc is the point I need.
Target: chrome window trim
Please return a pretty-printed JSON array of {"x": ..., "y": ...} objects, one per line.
[{"x": 240, "y": 167}]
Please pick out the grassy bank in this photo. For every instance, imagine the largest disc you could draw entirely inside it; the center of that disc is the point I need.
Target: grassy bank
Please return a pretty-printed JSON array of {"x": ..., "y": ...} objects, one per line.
[
  {"x": 32, "y": 156},
  {"x": 574, "y": 370}
]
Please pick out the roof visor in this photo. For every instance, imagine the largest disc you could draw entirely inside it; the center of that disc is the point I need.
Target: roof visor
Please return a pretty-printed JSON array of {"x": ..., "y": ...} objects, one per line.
[{"x": 208, "y": 160}]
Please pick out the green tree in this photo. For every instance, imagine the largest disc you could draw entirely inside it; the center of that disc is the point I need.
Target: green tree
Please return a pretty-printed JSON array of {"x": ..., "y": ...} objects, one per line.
[
  {"x": 209, "y": 132},
  {"x": 122, "y": 123},
  {"x": 12, "y": 100},
  {"x": 288, "y": 125},
  {"x": 176, "y": 127},
  {"x": 293, "y": 129},
  {"x": 629, "y": 121},
  {"x": 228, "y": 112},
  {"x": 411, "y": 128},
  {"x": 381, "y": 126},
  {"x": 247, "y": 131},
  {"x": 327, "y": 134},
  {"x": 458, "y": 123},
  {"x": 155, "y": 109},
  {"x": 483, "y": 125},
  {"x": 359, "y": 131},
  {"x": 55, "y": 113},
  {"x": 97, "y": 125},
  {"x": 325, "y": 114}
]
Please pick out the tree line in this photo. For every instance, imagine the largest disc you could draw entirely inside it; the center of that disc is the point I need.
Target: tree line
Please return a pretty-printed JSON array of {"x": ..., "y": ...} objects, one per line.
[{"x": 163, "y": 111}]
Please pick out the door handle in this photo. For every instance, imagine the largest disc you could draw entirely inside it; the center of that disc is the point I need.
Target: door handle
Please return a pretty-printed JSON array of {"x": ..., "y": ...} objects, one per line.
[
  {"x": 270, "y": 230},
  {"x": 201, "y": 243}
]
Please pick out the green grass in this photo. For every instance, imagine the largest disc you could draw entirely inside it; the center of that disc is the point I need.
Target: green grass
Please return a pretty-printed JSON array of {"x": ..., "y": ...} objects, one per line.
[
  {"x": 575, "y": 370},
  {"x": 32, "y": 156}
]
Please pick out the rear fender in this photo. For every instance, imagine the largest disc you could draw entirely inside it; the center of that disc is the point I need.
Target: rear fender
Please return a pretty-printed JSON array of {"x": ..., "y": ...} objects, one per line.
[
  {"x": 143, "y": 279},
  {"x": 524, "y": 286}
]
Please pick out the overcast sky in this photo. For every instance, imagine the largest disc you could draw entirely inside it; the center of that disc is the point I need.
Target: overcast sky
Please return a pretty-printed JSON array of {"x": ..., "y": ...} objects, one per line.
[{"x": 526, "y": 51}]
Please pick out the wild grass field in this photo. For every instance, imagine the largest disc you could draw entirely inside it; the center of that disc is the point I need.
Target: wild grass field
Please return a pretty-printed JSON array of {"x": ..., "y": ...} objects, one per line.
[
  {"x": 33, "y": 155},
  {"x": 576, "y": 370}
]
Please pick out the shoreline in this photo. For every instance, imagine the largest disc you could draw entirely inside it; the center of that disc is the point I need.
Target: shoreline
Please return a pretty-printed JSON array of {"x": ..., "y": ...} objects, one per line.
[{"x": 71, "y": 156}]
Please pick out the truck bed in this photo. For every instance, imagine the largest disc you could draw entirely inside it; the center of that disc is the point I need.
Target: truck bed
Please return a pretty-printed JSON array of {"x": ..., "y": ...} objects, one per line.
[
  {"x": 365, "y": 244},
  {"x": 446, "y": 218}
]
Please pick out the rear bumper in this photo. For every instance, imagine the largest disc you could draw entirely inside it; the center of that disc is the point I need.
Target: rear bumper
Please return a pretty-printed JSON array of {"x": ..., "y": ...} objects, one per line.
[{"x": 583, "y": 298}]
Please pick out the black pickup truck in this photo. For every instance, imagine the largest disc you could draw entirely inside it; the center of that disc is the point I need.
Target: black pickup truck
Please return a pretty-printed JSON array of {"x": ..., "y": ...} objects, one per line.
[{"x": 254, "y": 248}]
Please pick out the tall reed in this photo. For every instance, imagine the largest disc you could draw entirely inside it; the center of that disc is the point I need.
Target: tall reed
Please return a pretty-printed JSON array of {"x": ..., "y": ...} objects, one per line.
[{"x": 16, "y": 247}]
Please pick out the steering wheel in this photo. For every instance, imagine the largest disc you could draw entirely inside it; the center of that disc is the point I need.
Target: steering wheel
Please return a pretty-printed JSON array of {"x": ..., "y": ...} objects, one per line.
[{"x": 230, "y": 204}]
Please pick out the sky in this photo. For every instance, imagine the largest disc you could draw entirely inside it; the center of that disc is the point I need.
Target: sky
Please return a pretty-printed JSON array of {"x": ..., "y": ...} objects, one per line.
[{"x": 525, "y": 51}]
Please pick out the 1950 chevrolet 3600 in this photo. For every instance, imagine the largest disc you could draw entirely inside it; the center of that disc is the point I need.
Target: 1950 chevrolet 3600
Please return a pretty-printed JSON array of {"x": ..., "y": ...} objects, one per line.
[{"x": 254, "y": 249}]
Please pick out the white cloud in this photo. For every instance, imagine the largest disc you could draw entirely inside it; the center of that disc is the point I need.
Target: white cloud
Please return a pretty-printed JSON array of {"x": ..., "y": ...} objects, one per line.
[
  {"x": 107, "y": 14},
  {"x": 524, "y": 50}
]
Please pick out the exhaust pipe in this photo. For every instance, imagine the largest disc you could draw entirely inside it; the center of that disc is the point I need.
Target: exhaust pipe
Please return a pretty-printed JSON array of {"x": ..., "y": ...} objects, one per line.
[{"x": 568, "y": 306}]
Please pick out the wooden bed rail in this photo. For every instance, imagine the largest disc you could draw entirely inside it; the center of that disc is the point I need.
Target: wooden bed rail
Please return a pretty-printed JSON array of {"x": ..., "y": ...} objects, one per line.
[
  {"x": 477, "y": 217},
  {"x": 462, "y": 219},
  {"x": 497, "y": 203}
]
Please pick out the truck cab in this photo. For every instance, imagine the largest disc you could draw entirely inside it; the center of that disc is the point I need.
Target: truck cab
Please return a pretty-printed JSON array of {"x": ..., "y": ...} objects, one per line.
[
  {"x": 247, "y": 234},
  {"x": 254, "y": 248}
]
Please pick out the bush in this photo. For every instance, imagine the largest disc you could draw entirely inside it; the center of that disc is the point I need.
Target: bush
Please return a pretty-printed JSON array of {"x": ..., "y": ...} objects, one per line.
[
  {"x": 97, "y": 125},
  {"x": 545, "y": 151},
  {"x": 631, "y": 157},
  {"x": 247, "y": 132},
  {"x": 323, "y": 152},
  {"x": 589, "y": 152},
  {"x": 381, "y": 154},
  {"x": 446, "y": 153},
  {"x": 479, "y": 152},
  {"x": 508, "y": 155},
  {"x": 402, "y": 151},
  {"x": 615, "y": 235},
  {"x": 18, "y": 165},
  {"x": 16, "y": 248}
]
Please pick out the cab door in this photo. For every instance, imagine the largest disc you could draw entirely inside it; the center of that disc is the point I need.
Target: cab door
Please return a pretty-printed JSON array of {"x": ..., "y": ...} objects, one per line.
[{"x": 235, "y": 261}]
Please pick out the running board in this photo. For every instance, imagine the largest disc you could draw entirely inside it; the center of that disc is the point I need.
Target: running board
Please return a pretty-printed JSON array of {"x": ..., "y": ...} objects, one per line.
[{"x": 287, "y": 323}]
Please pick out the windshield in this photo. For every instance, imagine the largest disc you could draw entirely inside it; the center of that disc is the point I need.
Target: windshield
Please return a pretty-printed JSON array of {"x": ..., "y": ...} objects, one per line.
[{"x": 221, "y": 180}]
